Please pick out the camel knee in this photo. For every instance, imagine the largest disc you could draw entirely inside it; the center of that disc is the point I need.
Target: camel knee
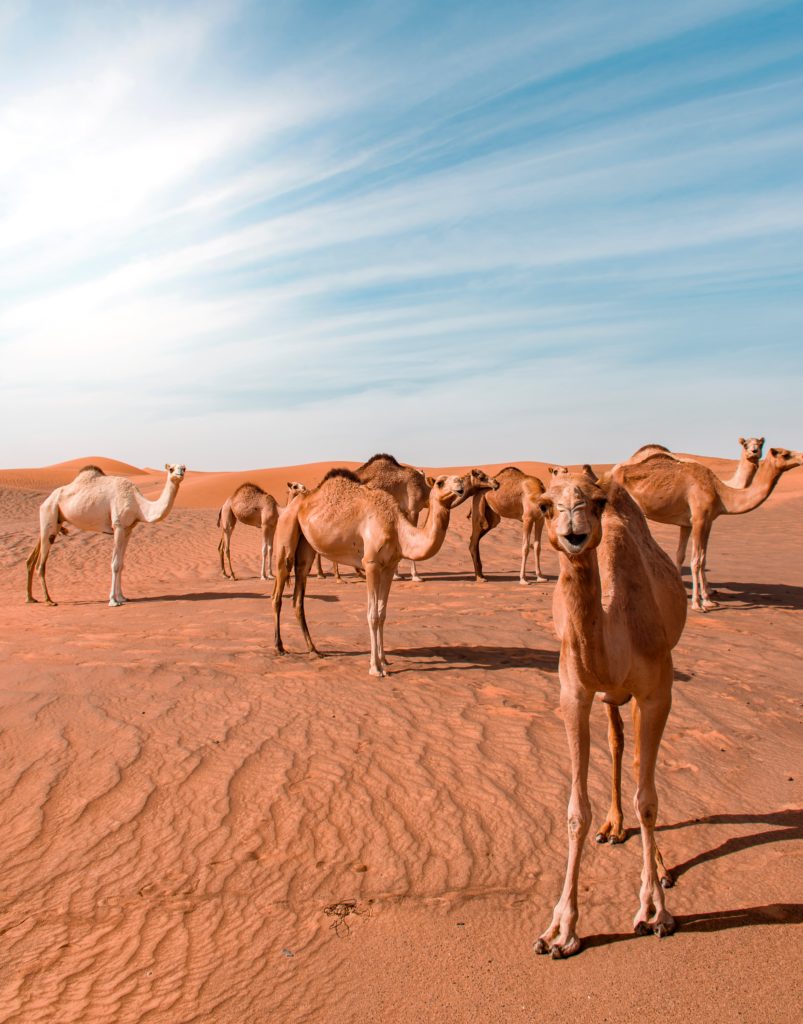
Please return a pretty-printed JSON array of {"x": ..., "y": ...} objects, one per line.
[{"x": 646, "y": 807}]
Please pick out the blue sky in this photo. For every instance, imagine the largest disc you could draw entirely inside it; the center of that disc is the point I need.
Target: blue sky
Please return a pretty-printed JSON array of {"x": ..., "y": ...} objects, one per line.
[{"x": 246, "y": 234}]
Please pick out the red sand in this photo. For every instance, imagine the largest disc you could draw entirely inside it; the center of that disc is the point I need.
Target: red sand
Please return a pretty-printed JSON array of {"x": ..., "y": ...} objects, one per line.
[{"x": 183, "y": 813}]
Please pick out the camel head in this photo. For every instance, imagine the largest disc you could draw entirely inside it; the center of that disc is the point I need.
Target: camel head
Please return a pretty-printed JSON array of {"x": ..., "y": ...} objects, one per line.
[
  {"x": 176, "y": 472},
  {"x": 294, "y": 488},
  {"x": 478, "y": 480},
  {"x": 782, "y": 460},
  {"x": 753, "y": 447},
  {"x": 447, "y": 490},
  {"x": 572, "y": 508}
]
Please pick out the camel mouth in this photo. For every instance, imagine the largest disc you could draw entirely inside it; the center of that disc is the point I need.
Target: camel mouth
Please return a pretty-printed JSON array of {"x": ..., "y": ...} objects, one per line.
[{"x": 574, "y": 542}]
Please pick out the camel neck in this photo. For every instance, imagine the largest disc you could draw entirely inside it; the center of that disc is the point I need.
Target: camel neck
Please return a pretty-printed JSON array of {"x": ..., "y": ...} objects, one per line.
[
  {"x": 737, "y": 502},
  {"x": 583, "y": 631},
  {"x": 744, "y": 474},
  {"x": 155, "y": 511},
  {"x": 419, "y": 544}
]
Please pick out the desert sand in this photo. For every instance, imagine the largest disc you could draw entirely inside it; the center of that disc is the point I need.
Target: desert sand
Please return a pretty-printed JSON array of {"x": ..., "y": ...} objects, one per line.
[{"x": 194, "y": 830}]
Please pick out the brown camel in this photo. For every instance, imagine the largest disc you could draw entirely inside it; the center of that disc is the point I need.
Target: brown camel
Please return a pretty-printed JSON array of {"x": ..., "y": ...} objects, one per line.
[
  {"x": 749, "y": 459},
  {"x": 98, "y": 503},
  {"x": 516, "y": 497},
  {"x": 619, "y": 609},
  {"x": 404, "y": 483},
  {"x": 687, "y": 494},
  {"x": 364, "y": 527}
]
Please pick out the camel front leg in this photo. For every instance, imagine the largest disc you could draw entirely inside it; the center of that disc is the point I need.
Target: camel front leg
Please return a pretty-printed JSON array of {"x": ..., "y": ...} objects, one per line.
[
  {"x": 612, "y": 831},
  {"x": 526, "y": 545},
  {"x": 121, "y": 536},
  {"x": 683, "y": 543},
  {"x": 664, "y": 875},
  {"x": 283, "y": 565},
  {"x": 700, "y": 598},
  {"x": 538, "y": 529},
  {"x": 373, "y": 587},
  {"x": 560, "y": 939},
  {"x": 414, "y": 573},
  {"x": 385, "y": 582},
  {"x": 652, "y": 915},
  {"x": 267, "y": 552},
  {"x": 33, "y": 558}
]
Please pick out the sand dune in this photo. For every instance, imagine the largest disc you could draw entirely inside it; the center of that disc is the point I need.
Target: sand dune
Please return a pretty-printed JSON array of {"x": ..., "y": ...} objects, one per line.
[{"x": 196, "y": 830}]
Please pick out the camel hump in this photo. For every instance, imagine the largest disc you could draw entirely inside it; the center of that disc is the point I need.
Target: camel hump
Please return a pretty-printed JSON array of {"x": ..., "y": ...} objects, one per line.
[
  {"x": 248, "y": 488},
  {"x": 382, "y": 457},
  {"x": 513, "y": 470},
  {"x": 340, "y": 471},
  {"x": 652, "y": 448},
  {"x": 91, "y": 470}
]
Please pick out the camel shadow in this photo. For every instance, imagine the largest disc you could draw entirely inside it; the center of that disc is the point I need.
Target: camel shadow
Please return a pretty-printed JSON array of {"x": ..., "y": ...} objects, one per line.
[
  {"x": 788, "y": 825},
  {"x": 759, "y": 595},
  {"x": 716, "y": 921},
  {"x": 215, "y": 595},
  {"x": 468, "y": 658}
]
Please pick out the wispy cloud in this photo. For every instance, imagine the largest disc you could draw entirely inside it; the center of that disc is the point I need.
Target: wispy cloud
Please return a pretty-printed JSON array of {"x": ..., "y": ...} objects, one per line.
[{"x": 322, "y": 229}]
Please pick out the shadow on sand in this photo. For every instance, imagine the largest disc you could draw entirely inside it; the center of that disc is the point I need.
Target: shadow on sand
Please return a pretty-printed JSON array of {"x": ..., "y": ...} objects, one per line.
[
  {"x": 215, "y": 595},
  {"x": 716, "y": 921},
  {"x": 480, "y": 658}
]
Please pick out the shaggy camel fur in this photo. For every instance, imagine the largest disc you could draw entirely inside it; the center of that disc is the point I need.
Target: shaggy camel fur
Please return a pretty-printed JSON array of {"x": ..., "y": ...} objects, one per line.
[
  {"x": 98, "y": 503},
  {"x": 516, "y": 497},
  {"x": 687, "y": 494},
  {"x": 619, "y": 609},
  {"x": 362, "y": 527}
]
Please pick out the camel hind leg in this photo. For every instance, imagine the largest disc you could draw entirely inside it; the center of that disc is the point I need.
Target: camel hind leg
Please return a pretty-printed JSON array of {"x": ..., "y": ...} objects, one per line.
[
  {"x": 31, "y": 564},
  {"x": 537, "y": 530},
  {"x": 483, "y": 520},
  {"x": 49, "y": 528},
  {"x": 228, "y": 522},
  {"x": 612, "y": 831}
]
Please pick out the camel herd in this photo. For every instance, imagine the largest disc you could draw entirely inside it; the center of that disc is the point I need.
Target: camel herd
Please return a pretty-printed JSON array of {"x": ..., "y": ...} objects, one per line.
[{"x": 619, "y": 606}]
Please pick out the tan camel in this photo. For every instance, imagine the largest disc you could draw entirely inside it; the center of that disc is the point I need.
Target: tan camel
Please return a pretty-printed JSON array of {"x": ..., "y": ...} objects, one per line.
[
  {"x": 364, "y": 527},
  {"x": 749, "y": 459},
  {"x": 687, "y": 494},
  {"x": 746, "y": 467},
  {"x": 404, "y": 483},
  {"x": 98, "y": 503},
  {"x": 619, "y": 609},
  {"x": 515, "y": 498}
]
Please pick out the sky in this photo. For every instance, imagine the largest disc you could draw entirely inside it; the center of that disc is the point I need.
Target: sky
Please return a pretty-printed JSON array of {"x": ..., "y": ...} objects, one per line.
[{"x": 249, "y": 234}]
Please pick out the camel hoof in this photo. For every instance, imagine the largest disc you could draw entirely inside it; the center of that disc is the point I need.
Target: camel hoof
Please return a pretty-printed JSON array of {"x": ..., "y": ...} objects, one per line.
[
  {"x": 416, "y": 579},
  {"x": 600, "y": 838},
  {"x": 524, "y": 583},
  {"x": 51, "y": 604},
  {"x": 314, "y": 653},
  {"x": 541, "y": 947},
  {"x": 541, "y": 579},
  {"x": 667, "y": 881},
  {"x": 115, "y": 604},
  {"x": 31, "y": 600},
  {"x": 642, "y": 928},
  {"x": 279, "y": 650},
  {"x": 480, "y": 579}
]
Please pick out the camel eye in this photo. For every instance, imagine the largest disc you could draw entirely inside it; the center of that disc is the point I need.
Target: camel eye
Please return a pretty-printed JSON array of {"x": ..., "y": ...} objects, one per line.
[{"x": 440, "y": 483}]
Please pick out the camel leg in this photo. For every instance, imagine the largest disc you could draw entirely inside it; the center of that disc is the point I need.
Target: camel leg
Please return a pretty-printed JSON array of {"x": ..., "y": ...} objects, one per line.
[
  {"x": 700, "y": 598},
  {"x": 385, "y": 581},
  {"x": 414, "y": 573},
  {"x": 225, "y": 546},
  {"x": 288, "y": 537},
  {"x": 560, "y": 939},
  {"x": 483, "y": 520},
  {"x": 373, "y": 580},
  {"x": 664, "y": 876},
  {"x": 526, "y": 545},
  {"x": 268, "y": 530},
  {"x": 305, "y": 557},
  {"x": 33, "y": 558},
  {"x": 45, "y": 544},
  {"x": 538, "y": 527},
  {"x": 612, "y": 831},
  {"x": 121, "y": 535},
  {"x": 336, "y": 567},
  {"x": 652, "y": 915},
  {"x": 683, "y": 541},
  {"x": 319, "y": 568}
]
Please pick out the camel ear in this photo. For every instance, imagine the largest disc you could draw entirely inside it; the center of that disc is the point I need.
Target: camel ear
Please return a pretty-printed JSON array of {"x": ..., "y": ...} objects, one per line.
[
  {"x": 775, "y": 452},
  {"x": 741, "y": 441},
  {"x": 167, "y": 466},
  {"x": 430, "y": 481},
  {"x": 546, "y": 506},
  {"x": 761, "y": 442}
]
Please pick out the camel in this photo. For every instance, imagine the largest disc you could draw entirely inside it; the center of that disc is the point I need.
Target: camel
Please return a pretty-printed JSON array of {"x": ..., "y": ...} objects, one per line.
[
  {"x": 619, "y": 609},
  {"x": 364, "y": 527},
  {"x": 746, "y": 467},
  {"x": 253, "y": 506},
  {"x": 687, "y": 494},
  {"x": 98, "y": 503},
  {"x": 749, "y": 459},
  {"x": 516, "y": 497},
  {"x": 404, "y": 483}
]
